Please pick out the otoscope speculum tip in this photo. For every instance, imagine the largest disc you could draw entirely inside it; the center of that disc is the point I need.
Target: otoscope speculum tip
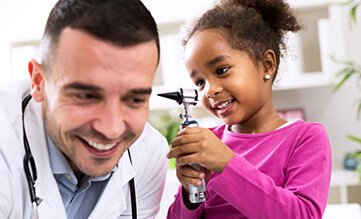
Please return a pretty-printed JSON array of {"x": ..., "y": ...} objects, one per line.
[
  {"x": 182, "y": 96},
  {"x": 177, "y": 96}
]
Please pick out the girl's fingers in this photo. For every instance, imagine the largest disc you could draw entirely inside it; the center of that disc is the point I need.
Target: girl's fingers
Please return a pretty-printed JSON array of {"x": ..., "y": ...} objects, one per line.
[
  {"x": 182, "y": 150},
  {"x": 187, "y": 175},
  {"x": 191, "y": 158}
]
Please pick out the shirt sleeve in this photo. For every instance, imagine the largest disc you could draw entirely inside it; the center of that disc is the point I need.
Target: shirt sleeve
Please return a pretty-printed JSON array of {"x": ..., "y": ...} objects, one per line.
[
  {"x": 178, "y": 210},
  {"x": 304, "y": 192}
]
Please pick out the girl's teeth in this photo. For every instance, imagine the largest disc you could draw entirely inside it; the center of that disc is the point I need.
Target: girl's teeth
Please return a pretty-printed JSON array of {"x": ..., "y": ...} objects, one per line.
[
  {"x": 224, "y": 104},
  {"x": 101, "y": 147}
]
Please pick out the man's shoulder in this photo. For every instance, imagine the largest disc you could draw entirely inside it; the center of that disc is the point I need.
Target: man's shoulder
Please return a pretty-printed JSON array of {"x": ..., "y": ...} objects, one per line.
[
  {"x": 151, "y": 132},
  {"x": 151, "y": 141},
  {"x": 11, "y": 94}
]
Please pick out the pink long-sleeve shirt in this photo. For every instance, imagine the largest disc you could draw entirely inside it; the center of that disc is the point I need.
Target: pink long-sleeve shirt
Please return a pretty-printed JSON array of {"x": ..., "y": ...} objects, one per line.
[{"x": 281, "y": 174}]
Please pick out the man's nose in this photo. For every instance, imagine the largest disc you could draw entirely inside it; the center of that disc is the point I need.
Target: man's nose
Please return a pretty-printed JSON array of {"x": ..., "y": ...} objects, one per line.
[{"x": 110, "y": 120}]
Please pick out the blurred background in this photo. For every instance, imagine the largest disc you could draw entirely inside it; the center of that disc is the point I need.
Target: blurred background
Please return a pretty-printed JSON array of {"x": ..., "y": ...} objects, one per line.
[{"x": 304, "y": 89}]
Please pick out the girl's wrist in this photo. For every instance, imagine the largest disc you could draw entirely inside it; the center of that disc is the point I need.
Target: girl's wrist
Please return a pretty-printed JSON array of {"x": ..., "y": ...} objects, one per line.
[{"x": 227, "y": 158}]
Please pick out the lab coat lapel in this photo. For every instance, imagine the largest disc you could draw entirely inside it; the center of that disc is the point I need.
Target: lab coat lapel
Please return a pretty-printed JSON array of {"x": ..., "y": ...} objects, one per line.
[
  {"x": 116, "y": 195},
  {"x": 46, "y": 186}
]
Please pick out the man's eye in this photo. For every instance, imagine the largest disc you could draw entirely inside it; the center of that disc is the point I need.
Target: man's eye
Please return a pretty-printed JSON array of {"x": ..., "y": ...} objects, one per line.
[
  {"x": 136, "y": 102},
  {"x": 86, "y": 96},
  {"x": 221, "y": 70}
]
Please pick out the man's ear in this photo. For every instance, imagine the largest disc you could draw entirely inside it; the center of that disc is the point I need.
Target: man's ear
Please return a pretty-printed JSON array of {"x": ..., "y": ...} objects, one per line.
[
  {"x": 37, "y": 80},
  {"x": 269, "y": 63}
]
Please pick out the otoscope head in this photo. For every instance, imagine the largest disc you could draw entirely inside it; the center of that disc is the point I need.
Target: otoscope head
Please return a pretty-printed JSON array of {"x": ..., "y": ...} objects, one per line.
[{"x": 189, "y": 96}]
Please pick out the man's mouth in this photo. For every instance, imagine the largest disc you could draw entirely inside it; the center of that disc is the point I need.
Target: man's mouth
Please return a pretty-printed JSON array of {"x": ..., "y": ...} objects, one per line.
[{"x": 100, "y": 146}]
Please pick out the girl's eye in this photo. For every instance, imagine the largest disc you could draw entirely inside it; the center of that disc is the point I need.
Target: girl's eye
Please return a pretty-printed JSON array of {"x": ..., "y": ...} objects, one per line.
[
  {"x": 221, "y": 70},
  {"x": 199, "y": 83}
]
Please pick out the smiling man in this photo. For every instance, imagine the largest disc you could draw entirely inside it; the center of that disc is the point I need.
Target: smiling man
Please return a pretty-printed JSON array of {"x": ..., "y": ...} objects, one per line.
[{"x": 87, "y": 149}]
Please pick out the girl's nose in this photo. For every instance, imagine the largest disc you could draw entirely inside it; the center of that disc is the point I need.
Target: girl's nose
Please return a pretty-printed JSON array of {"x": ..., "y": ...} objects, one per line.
[{"x": 212, "y": 90}]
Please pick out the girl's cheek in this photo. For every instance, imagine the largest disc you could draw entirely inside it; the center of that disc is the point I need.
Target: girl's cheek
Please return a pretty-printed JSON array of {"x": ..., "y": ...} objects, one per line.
[{"x": 204, "y": 102}]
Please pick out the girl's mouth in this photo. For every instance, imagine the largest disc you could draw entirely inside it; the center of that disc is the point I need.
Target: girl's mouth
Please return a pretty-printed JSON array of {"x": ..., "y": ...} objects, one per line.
[
  {"x": 224, "y": 108},
  {"x": 224, "y": 105}
]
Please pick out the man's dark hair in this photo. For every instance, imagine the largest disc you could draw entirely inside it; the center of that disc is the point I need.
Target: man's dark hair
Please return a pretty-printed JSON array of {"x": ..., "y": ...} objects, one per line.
[{"x": 121, "y": 22}]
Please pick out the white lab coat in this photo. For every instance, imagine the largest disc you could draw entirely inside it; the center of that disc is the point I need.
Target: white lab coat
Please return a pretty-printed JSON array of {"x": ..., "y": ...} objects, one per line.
[{"x": 148, "y": 155}]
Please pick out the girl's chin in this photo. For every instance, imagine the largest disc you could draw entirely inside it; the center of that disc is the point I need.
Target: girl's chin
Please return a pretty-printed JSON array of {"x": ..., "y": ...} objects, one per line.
[{"x": 229, "y": 121}]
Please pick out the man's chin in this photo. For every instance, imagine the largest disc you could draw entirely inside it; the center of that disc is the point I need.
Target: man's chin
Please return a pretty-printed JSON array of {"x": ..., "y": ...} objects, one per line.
[{"x": 99, "y": 168}]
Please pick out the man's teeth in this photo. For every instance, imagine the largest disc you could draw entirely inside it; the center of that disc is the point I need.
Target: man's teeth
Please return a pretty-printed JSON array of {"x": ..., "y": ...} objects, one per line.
[
  {"x": 101, "y": 147},
  {"x": 223, "y": 105}
]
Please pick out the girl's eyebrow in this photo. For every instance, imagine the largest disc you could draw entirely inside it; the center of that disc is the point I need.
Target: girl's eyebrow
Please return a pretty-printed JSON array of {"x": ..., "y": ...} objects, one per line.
[
  {"x": 193, "y": 73},
  {"x": 210, "y": 63},
  {"x": 215, "y": 60}
]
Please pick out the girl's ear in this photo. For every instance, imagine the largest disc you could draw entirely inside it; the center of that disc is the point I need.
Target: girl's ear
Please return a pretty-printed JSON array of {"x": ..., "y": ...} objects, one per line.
[
  {"x": 37, "y": 80},
  {"x": 269, "y": 63}
]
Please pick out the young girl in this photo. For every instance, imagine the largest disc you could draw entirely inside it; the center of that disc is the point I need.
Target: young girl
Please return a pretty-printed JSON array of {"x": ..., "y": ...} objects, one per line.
[{"x": 256, "y": 165}]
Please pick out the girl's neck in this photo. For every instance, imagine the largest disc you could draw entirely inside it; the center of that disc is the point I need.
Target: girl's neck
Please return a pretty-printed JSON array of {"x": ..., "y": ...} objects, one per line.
[{"x": 257, "y": 126}]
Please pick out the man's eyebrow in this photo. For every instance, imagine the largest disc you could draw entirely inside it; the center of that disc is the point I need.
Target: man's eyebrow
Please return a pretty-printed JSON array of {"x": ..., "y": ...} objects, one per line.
[
  {"x": 142, "y": 91},
  {"x": 89, "y": 87},
  {"x": 81, "y": 86}
]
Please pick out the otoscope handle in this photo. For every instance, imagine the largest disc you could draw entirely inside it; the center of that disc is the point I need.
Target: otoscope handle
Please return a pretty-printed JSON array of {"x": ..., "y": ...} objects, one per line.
[{"x": 197, "y": 194}]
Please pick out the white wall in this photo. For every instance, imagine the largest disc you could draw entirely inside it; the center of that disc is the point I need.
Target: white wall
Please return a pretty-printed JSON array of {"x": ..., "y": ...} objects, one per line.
[{"x": 20, "y": 20}]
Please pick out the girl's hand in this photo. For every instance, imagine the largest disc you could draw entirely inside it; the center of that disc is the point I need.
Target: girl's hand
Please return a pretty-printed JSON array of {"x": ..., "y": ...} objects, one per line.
[
  {"x": 188, "y": 175},
  {"x": 195, "y": 145}
]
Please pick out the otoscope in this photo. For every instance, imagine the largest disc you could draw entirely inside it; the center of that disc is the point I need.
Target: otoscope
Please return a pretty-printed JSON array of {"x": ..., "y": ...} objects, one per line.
[{"x": 189, "y": 97}]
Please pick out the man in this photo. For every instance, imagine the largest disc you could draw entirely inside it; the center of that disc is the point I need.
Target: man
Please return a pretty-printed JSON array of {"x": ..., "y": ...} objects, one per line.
[{"x": 85, "y": 125}]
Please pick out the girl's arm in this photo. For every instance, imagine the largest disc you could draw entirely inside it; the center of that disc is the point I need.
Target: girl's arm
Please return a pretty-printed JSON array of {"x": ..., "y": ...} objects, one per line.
[{"x": 306, "y": 182}]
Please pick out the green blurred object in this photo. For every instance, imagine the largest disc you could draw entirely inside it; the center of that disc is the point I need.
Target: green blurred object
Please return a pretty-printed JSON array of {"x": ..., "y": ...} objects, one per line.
[
  {"x": 353, "y": 5},
  {"x": 168, "y": 125},
  {"x": 170, "y": 132}
]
